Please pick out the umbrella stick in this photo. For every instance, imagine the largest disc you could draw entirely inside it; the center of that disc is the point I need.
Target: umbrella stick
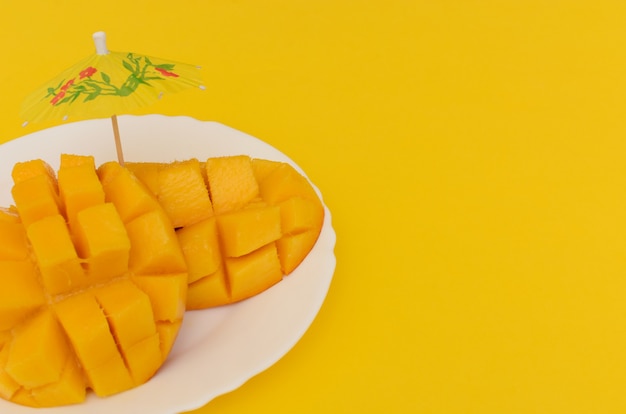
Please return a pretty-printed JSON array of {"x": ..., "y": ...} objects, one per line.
[{"x": 118, "y": 142}]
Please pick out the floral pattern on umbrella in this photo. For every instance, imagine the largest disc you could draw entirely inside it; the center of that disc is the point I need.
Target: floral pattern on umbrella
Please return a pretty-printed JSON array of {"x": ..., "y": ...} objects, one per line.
[{"x": 141, "y": 72}]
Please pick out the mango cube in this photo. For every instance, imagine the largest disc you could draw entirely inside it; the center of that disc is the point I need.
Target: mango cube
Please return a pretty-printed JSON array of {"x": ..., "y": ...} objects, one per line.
[
  {"x": 38, "y": 352},
  {"x": 209, "y": 291},
  {"x": 159, "y": 288},
  {"x": 253, "y": 273},
  {"x": 128, "y": 312},
  {"x": 144, "y": 358},
  {"x": 9, "y": 215},
  {"x": 79, "y": 186},
  {"x": 154, "y": 246},
  {"x": 101, "y": 240},
  {"x": 248, "y": 229},
  {"x": 56, "y": 255},
  {"x": 262, "y": 168},
  {"x": 69, "y": 389},
  {"x": 129, "y": 195},
  {"x": 184, "y": 207},
  {"x": 231, "y": 182},
  {"x": 14, "y": 245},
  {"x": 283, "y": 183},
  {"x": 147, "y": 173},
  {"x": 298, "y": 214},
  {"x": 200, "y": 245},
  {"x": 8, "y": 386},
  {"x": 26, "y": 170},
  {"x": 168, "y": 332},
  {"x": 35, "y": 199},
  {"x": 21, "y": 293}
]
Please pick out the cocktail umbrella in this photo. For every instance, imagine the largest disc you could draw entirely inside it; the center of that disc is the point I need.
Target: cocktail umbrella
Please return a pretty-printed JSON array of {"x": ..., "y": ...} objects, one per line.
[{"x": 107, "y": 84}]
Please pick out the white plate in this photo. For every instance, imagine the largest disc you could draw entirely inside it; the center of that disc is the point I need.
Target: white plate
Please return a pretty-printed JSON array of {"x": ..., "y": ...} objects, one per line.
[{"x": 217, "y": 349}]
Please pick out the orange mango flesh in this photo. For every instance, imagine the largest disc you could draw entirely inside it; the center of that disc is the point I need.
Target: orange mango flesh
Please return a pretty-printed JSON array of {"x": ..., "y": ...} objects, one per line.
[
  {"x": 99, "y": 265},
  {"x": 196, "y": 205},
  {"x": 94, "y": 283},
  {"x": 263, "y": 219}
]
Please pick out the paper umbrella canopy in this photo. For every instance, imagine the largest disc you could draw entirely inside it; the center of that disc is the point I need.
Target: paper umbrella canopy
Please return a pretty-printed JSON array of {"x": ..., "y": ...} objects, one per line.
[{"x": 107, "y": 84}]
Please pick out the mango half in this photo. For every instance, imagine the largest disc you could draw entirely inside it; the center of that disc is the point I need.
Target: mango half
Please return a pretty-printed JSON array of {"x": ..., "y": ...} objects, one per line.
[
  {"x": 242, "y": 223},
  {"x": 93, "y": 293}
]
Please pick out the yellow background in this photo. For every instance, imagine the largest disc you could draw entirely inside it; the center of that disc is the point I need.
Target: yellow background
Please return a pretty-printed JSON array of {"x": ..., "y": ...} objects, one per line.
[{"x": 472, "y": 154}]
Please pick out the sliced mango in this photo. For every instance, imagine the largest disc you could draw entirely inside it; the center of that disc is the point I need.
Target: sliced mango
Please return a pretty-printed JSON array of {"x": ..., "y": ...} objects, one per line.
[
  {"x": 200, "y": 245},
  {"x": 99, "y": 265},
  {"x": 232, "y": 184},
  {"x": 247, "y": 230},
  {"x": 79, "y": 186},
  {"x": 21, "y": 294},
  {"x": 36, "y": 198},
  {"x": 129, "y": 195},
  {"x": 211, "y": 290},
  {"x": 94, "y": 283},
  {"x": 253, "y": 273},
  {"x": 102, "y": 242},
  {"x": 255, "y": 203},
  {"x": 192, "y": 205},
  {"x": 14, "y": 245},
  {"x": 160, "y": 253},
  {"x": 55, "y": 254},
  {"x": 38, "y": 352},
  {"x": 147, "y": 173}
]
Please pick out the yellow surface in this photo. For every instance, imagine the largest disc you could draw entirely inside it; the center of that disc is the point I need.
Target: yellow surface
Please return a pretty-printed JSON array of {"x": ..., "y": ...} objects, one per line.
[{"x": 472, "y": 155}]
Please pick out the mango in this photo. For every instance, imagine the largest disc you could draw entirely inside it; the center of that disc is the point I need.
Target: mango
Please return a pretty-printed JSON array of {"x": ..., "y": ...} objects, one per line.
[
  {"x": 99, "y": 265},
  {"x": 231, "y": 182},
  {"x": 78, "y": 184},
  {"x": 21, "y": 294},
  {"x": 193, "y": 204},
  {"x": 14, "y": 244},
  {"x": 262, "y": 220},
  {"x": 94, "y": 283}
]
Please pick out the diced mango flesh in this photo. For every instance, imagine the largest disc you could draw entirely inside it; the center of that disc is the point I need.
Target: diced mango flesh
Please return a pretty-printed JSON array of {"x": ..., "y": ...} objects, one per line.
[
  {"x": 167, "y": 293},
  {"x": 73, "y": 314},
  {"x": 256, "y": 203},
  {"x": 102, "y": 242},
  {"x": 14, "y": 245},
  {"x": 102, "y": 263},
  {"x": 56, "y": 255},
  {"x": 36, "y": 198},
  {"x": 78, "y": 184},
  {"x": 147, "y": 173},
  {"x": 231, "y": 182},
  {"x": 38, "y": 352},
  {"x": 189, "y": 206},
  {"x": 129, "y": 195},
  {"x": 21, "y": 293},
  {"x": 251, "y": 274},
  {"x": 163, "y": 254},
  {"x": 209, "y": 291},
  {"x": 247, "y": 230},
  {"x": 200, "y": 245}
]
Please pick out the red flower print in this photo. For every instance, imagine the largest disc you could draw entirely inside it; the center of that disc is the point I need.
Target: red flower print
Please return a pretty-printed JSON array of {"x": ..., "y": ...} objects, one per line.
[
  {"x": 166, "y": 73},
  {"x": 57, "y": 97},
  {"x": 67, "y": 84},
  {"x": 87, "y": 73}
]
